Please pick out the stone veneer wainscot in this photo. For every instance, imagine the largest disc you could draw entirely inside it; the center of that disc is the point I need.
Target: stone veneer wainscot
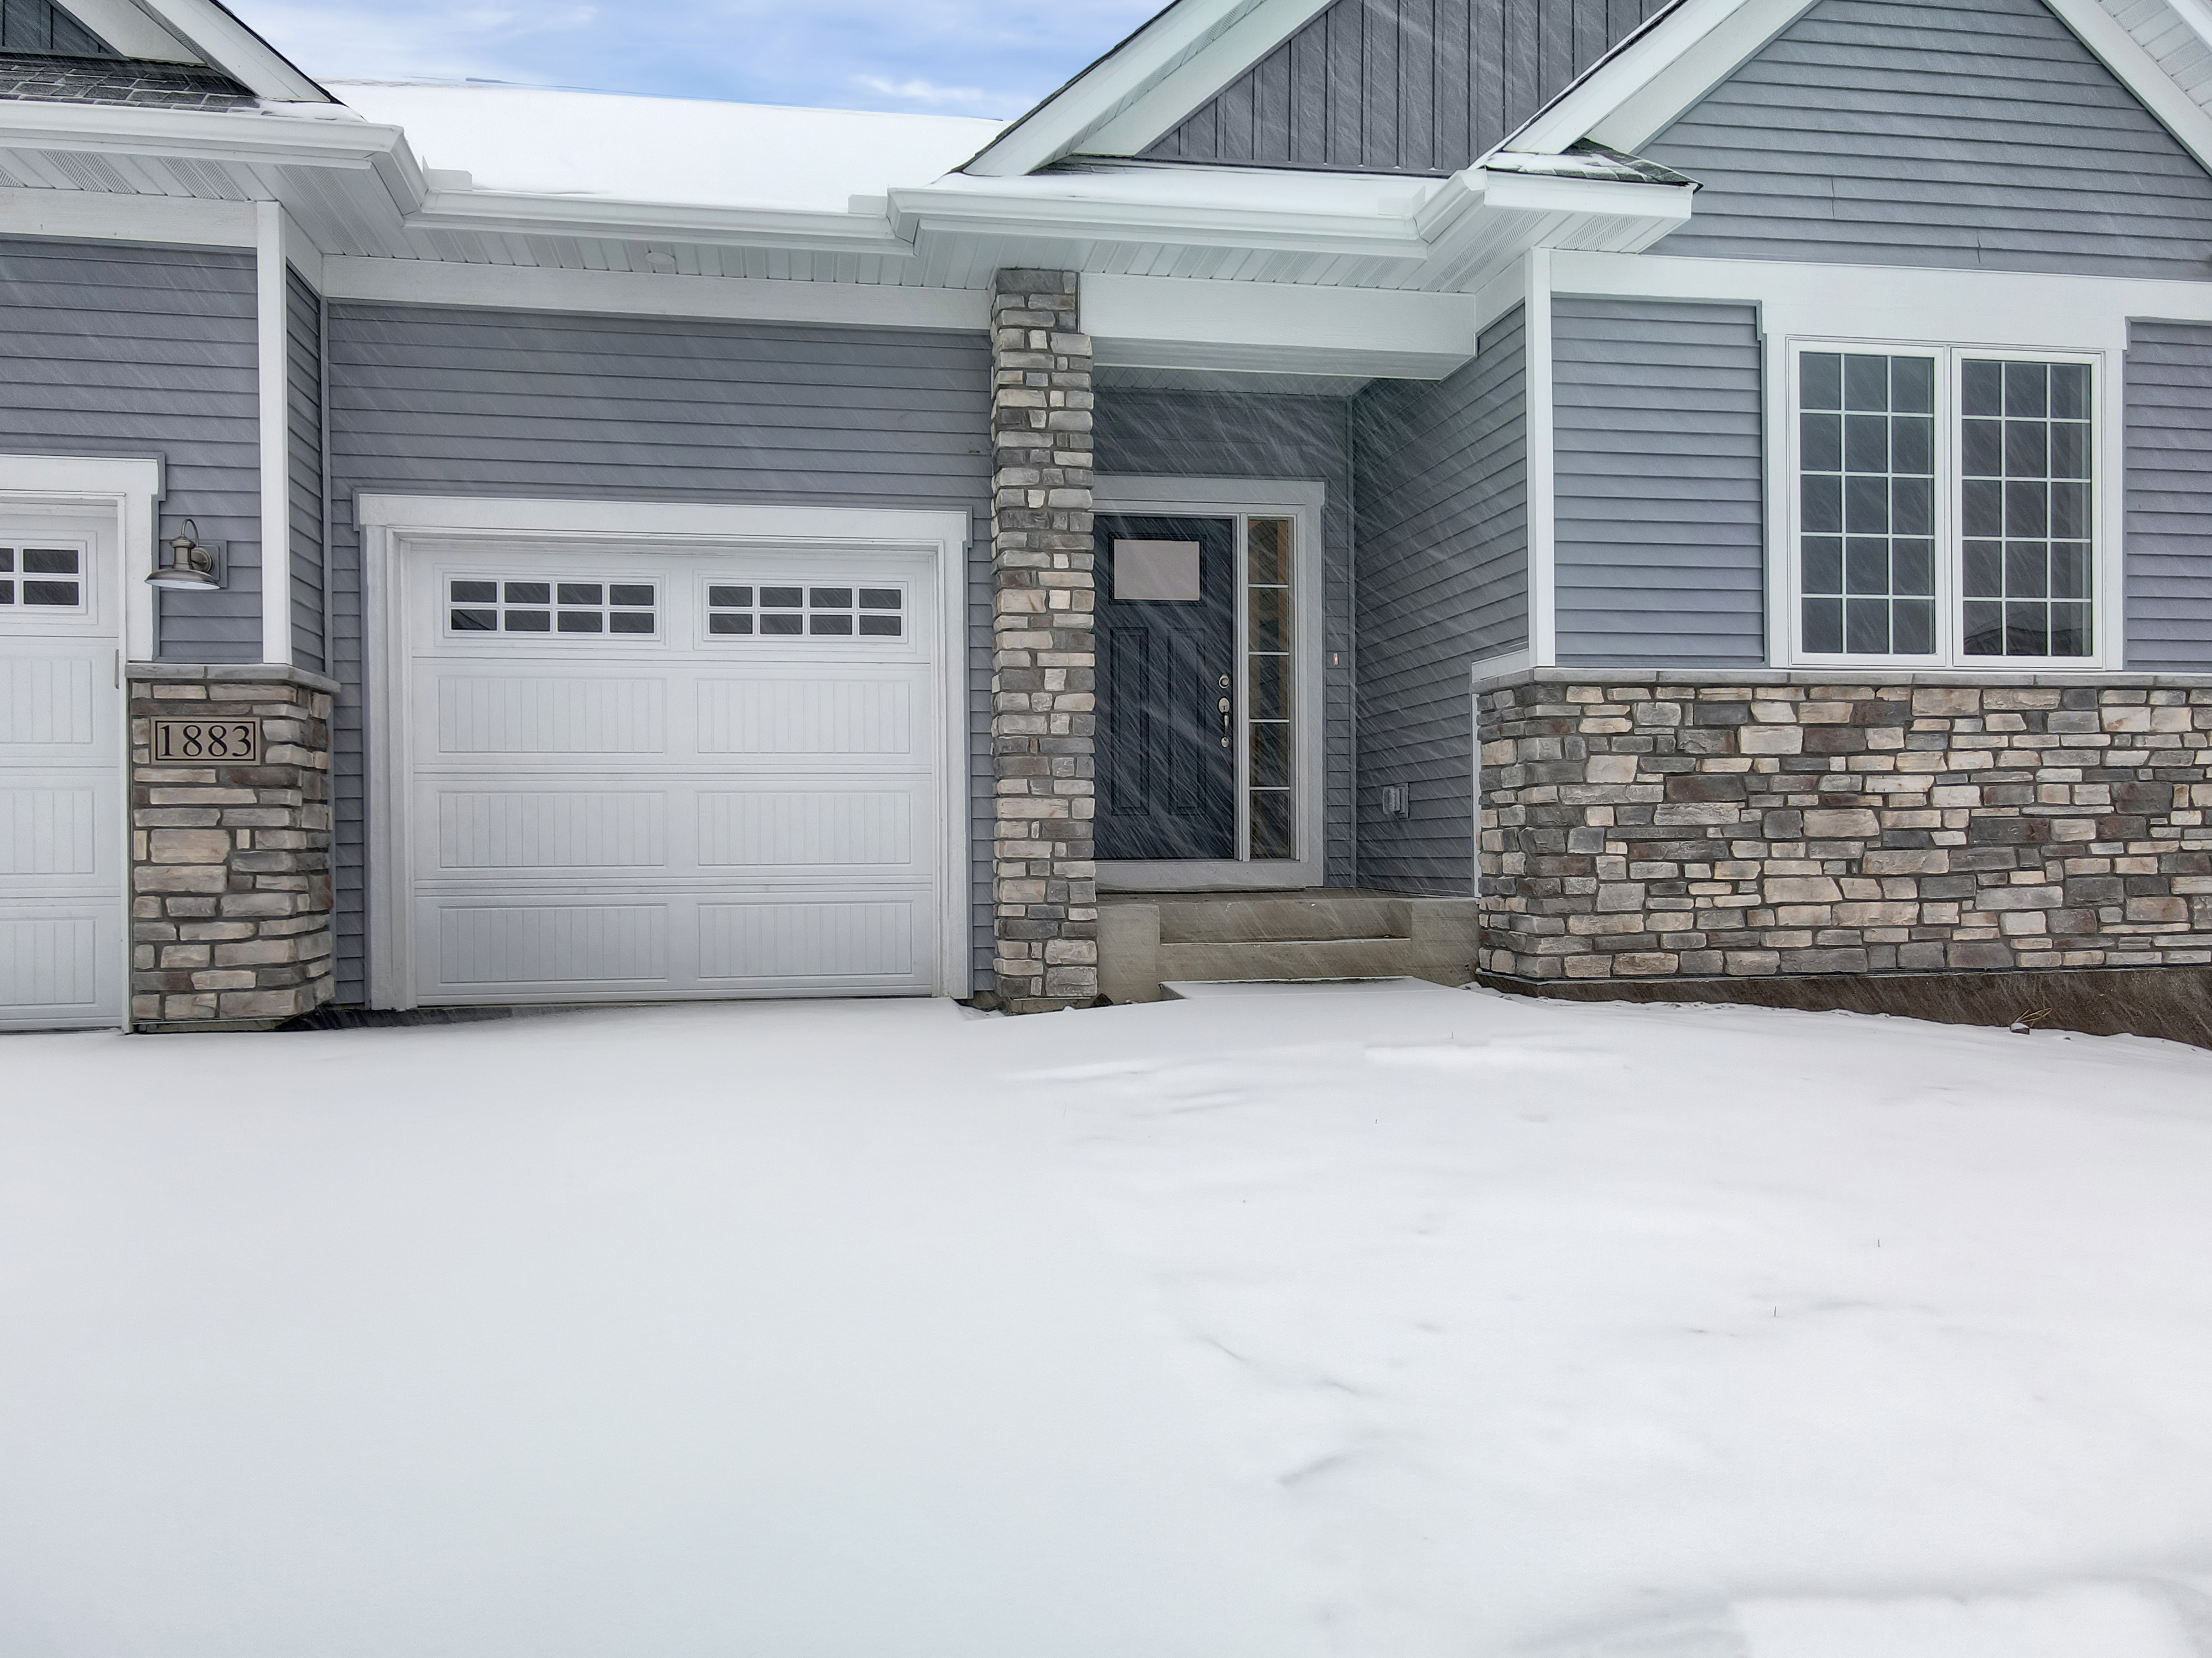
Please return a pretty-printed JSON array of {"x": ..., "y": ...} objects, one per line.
[
  {"x": 230, "y": 866},
  {"x": 1655, "y": 825}
]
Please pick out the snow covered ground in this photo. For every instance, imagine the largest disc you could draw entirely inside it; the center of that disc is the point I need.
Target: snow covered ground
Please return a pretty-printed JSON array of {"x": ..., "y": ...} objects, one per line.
[{"x": 1389, "y": 1324}]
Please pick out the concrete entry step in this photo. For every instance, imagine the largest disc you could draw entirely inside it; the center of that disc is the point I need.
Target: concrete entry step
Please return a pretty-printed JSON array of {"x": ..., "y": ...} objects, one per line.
[{"x": 1327, "y": 933}]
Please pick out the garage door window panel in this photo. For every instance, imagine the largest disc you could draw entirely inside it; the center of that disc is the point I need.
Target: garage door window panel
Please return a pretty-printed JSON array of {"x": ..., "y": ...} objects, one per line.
[
  {"x": 576, "y": 609},
  {"x": 811, "y": 610}
]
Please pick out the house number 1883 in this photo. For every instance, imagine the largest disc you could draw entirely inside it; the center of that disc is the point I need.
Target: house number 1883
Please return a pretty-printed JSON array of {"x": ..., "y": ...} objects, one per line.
[{"x": 233, "y": 740}]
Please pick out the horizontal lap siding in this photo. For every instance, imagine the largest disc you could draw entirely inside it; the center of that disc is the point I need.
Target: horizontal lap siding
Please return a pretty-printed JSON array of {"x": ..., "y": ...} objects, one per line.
[
  {"x": 1402, "y": 86},
  {"x": 1658, "y": 535},
  {"x": 437, "y": 401},
  {"x": 1443, "y": 547},
  {"x": 121, "y": 349},
  {"x": 2169, "y": 496},
  {"x": 1969, "y": 133},
  {"x": 304, "y": 397},
  {"x": 1244, "y": 435}
]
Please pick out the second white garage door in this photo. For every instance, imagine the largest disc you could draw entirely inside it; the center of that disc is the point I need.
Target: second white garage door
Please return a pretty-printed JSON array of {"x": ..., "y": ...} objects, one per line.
[{"x": 647, "y": 774}]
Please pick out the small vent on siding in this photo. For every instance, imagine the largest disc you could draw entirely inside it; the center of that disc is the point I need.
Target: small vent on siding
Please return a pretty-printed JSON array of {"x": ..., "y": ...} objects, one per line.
[{"x": 86, "y": 171}]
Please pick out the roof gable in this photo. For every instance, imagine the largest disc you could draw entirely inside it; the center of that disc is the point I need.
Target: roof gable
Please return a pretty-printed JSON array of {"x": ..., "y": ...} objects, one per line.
[
  {"x": 42, "y": 26},
  {"x": 1402, "y": 86},
  {"x": 1962, "y": 133}
]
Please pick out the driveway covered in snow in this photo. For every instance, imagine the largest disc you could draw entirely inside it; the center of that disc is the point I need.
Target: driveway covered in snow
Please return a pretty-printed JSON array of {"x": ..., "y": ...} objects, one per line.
[{"x": 1381, "y": 1323}]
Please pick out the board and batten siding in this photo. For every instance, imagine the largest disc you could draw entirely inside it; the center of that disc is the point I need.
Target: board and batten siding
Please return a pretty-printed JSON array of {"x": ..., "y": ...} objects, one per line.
[
  {"x": 2169, "y": 496},
  {"x": 1444, "y": 582},
  {"x": 434, "y": 400},
  {"x": 1974, "y": 134},
  {"x": 1231, "y": 435},
  {"x": 127, "y": 349},
  {"x": 1402, "y": 86},
  {"x": 1658, "y": 533},
  {"x": 303, "y": 329}
]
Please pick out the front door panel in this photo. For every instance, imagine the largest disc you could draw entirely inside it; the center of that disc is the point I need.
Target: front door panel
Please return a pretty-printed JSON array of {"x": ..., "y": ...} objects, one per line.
[{"x": 1167, "y": 667}]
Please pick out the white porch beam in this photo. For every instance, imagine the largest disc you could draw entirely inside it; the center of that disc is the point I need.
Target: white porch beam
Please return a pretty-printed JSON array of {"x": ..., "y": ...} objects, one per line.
[{"x": 1169, "y": 322}]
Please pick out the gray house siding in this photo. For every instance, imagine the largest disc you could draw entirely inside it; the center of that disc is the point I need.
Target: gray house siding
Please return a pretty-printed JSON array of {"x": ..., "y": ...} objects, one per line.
[
  {"x": 433, "y": 400},
  {"x": 303, "y": 326},
  {"x": 1964, "y": 133},
  {"x": 1658, "y": 536},
  {"x": 1402, "y": 86},
  {"x": 126, "y": 349},
  {"x": 2169, "y": 496},
  {"x": 1244, "y": 435},
  {"x": 1442, "y": 562}
]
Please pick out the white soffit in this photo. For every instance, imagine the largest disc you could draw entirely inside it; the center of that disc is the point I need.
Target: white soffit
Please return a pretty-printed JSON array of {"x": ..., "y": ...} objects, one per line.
[
  {"x": 2178, "y": 36},
  {"x": 1166, "y": 322}
]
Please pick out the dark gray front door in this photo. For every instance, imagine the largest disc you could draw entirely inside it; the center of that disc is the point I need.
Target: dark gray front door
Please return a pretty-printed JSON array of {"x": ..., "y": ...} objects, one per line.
[{"x": 1167, "y": 662}]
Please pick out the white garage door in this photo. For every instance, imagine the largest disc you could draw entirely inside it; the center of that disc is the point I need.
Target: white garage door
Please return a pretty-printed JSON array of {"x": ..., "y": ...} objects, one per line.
[
  {"x": 650, "y": 774},
  {"x": 61, "y": 812}
]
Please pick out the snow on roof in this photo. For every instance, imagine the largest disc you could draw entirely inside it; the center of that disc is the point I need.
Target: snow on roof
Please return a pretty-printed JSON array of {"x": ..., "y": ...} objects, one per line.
[{"x": 666, "y": 149}]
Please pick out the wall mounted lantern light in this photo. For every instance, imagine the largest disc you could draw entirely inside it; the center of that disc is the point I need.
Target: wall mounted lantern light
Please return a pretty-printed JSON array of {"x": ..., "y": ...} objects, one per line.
[{"x": 181, "y": 561}]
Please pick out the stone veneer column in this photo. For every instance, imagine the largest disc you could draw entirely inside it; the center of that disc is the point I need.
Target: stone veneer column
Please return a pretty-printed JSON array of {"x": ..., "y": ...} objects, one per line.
[
  {"x": 1043, "y": 649},
  {"x": 230, "y": 865}
]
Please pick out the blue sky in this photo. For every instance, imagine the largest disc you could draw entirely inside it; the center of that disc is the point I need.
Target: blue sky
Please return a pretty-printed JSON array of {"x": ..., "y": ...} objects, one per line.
[{"x": 947, "y": 56}]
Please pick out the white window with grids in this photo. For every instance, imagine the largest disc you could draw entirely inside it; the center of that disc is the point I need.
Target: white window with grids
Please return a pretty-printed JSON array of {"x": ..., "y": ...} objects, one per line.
[
  {"x": 45, "y": 580},
  {"x": 739, "y": 610},
  {"x": 1944, "y": 506}
]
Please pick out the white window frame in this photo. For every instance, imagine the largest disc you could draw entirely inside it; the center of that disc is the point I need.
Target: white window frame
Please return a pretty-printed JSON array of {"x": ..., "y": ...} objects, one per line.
[
  {"x": 1950, "y": 653},
  {"x": 1242, "y": 499}
]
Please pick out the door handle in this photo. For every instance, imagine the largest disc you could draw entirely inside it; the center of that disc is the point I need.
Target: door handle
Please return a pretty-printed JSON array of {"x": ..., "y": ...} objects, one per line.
[{"x": 1226, "y": 719}]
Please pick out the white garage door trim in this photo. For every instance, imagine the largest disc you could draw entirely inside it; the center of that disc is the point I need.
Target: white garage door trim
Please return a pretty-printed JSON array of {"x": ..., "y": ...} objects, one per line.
[
  {"x": 392, "y": 525},
  {"x": 114, "y": 498}
]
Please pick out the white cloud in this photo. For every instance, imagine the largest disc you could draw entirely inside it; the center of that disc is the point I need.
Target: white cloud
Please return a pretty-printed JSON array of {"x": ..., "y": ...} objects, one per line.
[{"x": 918, "y": 91}]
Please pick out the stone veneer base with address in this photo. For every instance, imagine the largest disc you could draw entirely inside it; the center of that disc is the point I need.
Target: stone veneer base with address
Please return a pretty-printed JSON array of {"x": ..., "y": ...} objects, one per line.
[
  {"x": 230, "y": 865},
  {"x": 1648, "y": 825}
]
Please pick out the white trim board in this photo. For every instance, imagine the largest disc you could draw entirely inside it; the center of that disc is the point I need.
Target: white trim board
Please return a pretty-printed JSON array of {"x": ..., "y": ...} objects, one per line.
[
  {"x": 273, "y": 359},
  {"x": 1305, "y": 501},
  {"x": 386, "y": 521},
  {"x": 627, "y": 293},
  {"x": 1982, "y": 308},
  {"x": 98, "y": 215},
  {"x": 1170, "y": 322}
]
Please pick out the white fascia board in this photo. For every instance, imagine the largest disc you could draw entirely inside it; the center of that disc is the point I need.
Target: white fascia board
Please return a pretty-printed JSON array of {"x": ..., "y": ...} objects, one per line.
[
  {"x": 1644, "y": 87},
  {"x": 504, "y": 212},
  {"x": 98, "y": 215},
  {"x": 224, "y": 42},
  {"x": 132, "y": 31},
  {"x": 1058, "y": 125},
  {"x": 941, "y": 210},
  {"x": 254, "y": 138},
  {"x": 1169, "y": 322},
  {"x": 1171, "y": 101},
  {"x": 628, "y": 293},
  {"x": 2138, "y": 71},
  {"x": 1480, "y": 189}
]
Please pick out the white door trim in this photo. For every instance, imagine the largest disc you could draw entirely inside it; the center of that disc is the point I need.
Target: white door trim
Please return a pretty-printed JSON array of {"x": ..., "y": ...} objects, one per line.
[
  {"x": 1303, "y": 500},
  {"x": 389, "y": 522}
]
